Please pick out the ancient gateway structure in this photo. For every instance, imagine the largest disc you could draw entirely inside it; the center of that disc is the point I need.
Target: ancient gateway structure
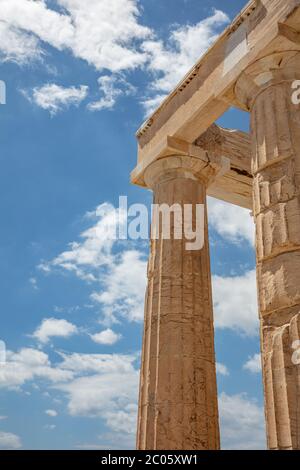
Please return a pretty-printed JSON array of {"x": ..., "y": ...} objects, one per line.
[{"x": 183, "y": 157}]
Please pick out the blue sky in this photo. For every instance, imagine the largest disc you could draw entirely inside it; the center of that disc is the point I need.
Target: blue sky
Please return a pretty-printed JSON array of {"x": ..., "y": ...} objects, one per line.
[{"x": 80, "y": 78}]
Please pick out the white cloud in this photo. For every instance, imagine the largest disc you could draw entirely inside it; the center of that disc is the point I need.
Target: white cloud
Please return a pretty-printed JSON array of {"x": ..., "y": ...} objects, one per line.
[
  {"x": 98, "y": 363},
  {"x": 111, "y": 88},
  {"x": 105, "y": 33},
  {"x": 106, "y": 386},
  {"x": 171, "y": 61},
  {"x": 94, "y": 251},
  {"x": 28, "y": 365},
  {"x": 51, "y": 413},
  {"x": 33, "y": 282},
  {"x": 121, "y": 277},
  {"x": 124, "y": 286},
  {"x": 235, "y": 303},
  {"x": 53, "y": 327},
  {"x": 151, "y": 104},
  {"x": 2, "y": 418},
  {"x": 110, "y": 391},
  {"x": 233, "y": 223},
  {"x": 108, "y": 337},
  {"x": 110, "y": 92},
  {"x": 253, "y": 364},
  {"x": 109, "y": 36},
  {"x": 96, "y": 385},
  {"x": 17, "y": 46},
  {"x": 242, "y": 423},
  {"x": 222, "y": 369},
  {"x": 35, "y": 18},
  {"x": 55, "y": 98},
  {"x": 9, "y": 441}
]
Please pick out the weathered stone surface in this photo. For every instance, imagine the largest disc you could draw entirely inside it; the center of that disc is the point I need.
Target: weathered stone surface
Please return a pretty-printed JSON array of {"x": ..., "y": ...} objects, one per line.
[
  {"x": 251, "y": 66},
  {"x": 266, "y": 89},
  {"x": 178, "y": 393}
]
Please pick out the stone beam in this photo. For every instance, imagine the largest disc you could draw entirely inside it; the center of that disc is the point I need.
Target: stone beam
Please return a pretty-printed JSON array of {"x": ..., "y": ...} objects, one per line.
[
  {"x": 235, "y": 184},
  {"x": 263, "y": 27}
]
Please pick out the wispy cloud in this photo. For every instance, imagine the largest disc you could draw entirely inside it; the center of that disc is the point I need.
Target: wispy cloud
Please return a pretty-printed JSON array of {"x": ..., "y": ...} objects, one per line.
[
  {"x": 18, "y": 46},
  {"x": 117, "y": 272},
  {"x": 169, "y": 62},
  {"x": 111, "y": 88},
  {"x": 55, "y": 98},
  {"x": 9, "y": 441},
  {"x": 51, "y": 413},
  {"x": 123, "y": 288},
  {"x": 109, "y": 36},
  {"x": 96, "y": 385},
  {"x": 94, "y": 250},
  {"x": 253, "y": 364},
  {"x": 103, "y": 33},
  {"x": 235, "y": 303}
]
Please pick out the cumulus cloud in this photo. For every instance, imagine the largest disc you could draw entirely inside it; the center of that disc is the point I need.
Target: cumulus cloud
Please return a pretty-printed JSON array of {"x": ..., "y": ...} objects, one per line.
[
  {"x": 9, "y": 441},
  {"x": 253, "y": 364},
  {"x": 109, "y": 36},
  {"x": 17, "y": 46},
  {"x": 51, "y": 413},
  {"x": 124, "y": 286},
  {"x": 28, "y": 365},
  {"x": 119, "y": 275},
  {"x": 235, "y": 303},
  {"x": 98, "y": 363},
  {"x": 107, "y": 388},
  {"x": 231, "y": 222},
  {"x": 85, "y": 257},
  {"x": 111, "y": 88},
  {"x": 55, "y": 98},
  {"x": 107, "y": 337},
  {"x": 222, "y": 369},
  {"x": 95, "y": 385},
  {"x": 105, "y": 33},
  {"x": 53, "y": 327},
  {"x": 169, "y": 62},
  {"x": 242, "y": 423}
]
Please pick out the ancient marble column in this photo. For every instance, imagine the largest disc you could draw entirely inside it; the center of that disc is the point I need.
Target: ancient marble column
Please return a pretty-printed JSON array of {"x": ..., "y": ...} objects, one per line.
[
  {"x": 266, "y": 89},
  {"x": 178, "y": 393}
]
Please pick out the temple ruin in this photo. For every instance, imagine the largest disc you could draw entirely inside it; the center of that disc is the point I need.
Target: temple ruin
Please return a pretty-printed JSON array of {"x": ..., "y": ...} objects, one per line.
[{"x": 183, "y": 156}]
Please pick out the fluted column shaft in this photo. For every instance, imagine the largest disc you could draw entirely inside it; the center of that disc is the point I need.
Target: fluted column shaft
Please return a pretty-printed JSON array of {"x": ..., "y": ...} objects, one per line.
[
  {"x": 178, "y": 392},
  {"x": 266, "y": 88}
]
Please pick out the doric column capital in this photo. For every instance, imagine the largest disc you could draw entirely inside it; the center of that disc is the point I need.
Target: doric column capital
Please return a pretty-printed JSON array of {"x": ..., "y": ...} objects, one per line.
[
  {"x": 183, "y": 166},
  {"x": 268, "y": 71}
]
